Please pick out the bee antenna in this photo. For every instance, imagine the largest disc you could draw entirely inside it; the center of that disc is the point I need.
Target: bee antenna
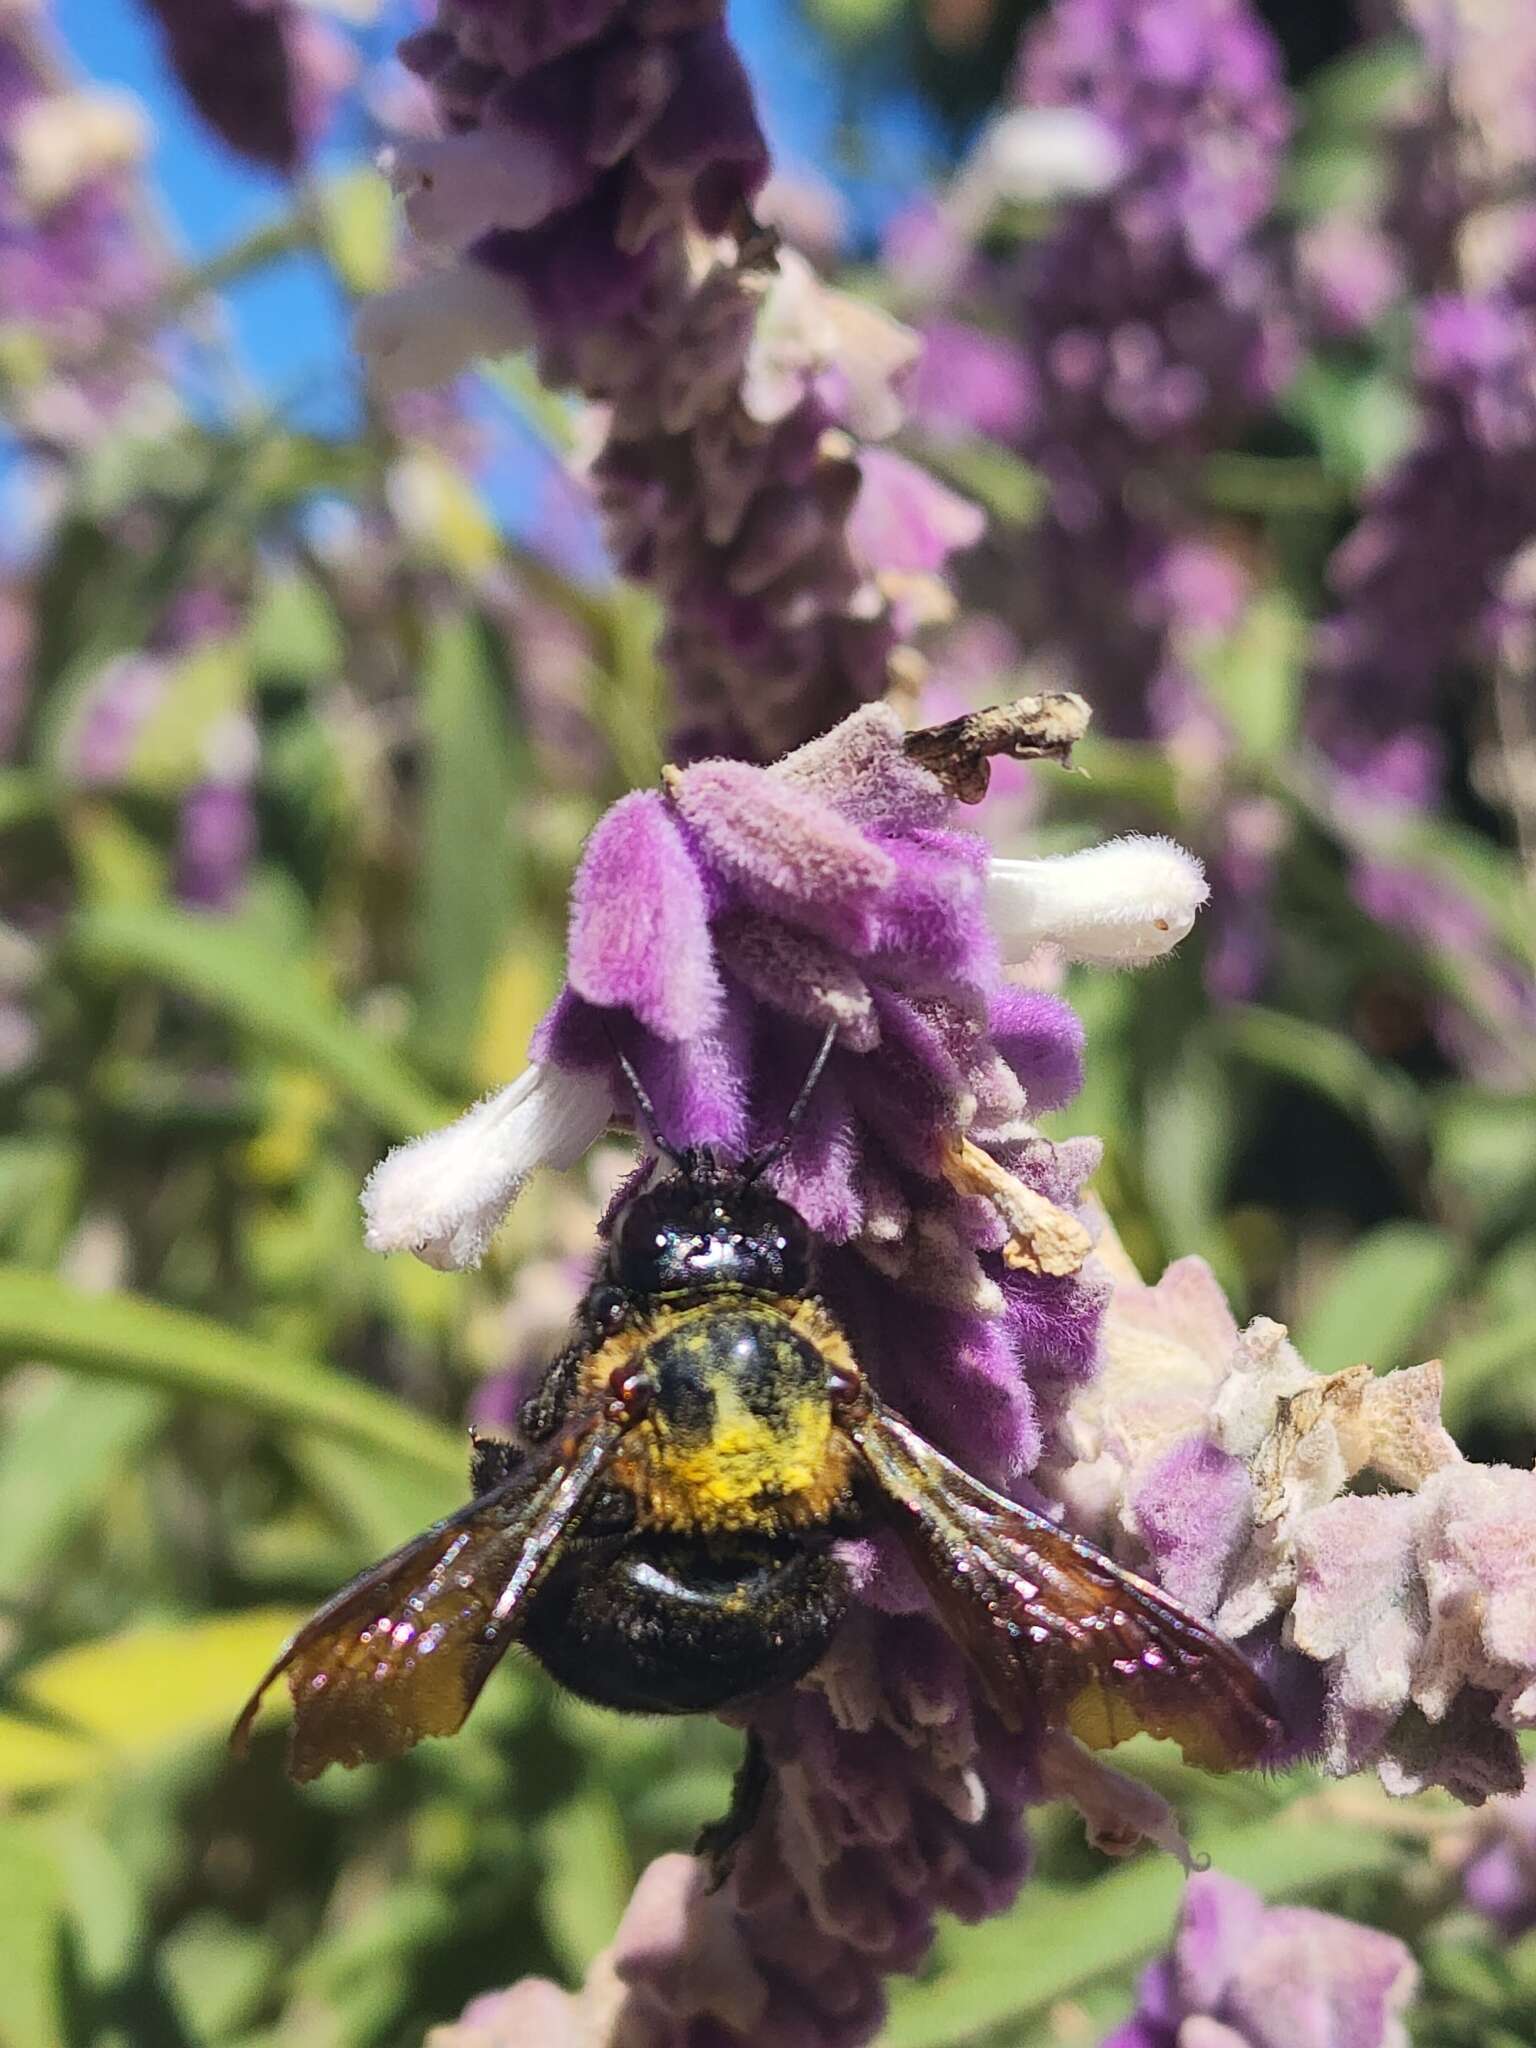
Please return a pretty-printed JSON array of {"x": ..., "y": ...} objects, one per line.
[
  {"x": 681, "y": 1160},
  {"x": 755, "y": 1167}
]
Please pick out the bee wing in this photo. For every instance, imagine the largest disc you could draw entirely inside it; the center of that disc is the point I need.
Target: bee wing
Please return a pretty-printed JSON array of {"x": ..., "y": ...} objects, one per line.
[
  {"x": 403, "y": 1651},
  {"x": 1048, "y": 1618}
]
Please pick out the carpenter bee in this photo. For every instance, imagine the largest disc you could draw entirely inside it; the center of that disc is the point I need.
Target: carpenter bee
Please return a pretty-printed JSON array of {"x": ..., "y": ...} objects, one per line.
[{"x": 663, "y": 1537}]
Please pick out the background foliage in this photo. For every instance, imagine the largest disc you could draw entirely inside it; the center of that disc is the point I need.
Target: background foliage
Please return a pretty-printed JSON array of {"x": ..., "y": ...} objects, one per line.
[{"x": 303, "y": 715}]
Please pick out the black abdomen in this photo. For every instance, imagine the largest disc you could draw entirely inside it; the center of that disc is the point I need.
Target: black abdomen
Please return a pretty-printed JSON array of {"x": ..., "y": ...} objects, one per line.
[{"x": 652, "y": 1625}]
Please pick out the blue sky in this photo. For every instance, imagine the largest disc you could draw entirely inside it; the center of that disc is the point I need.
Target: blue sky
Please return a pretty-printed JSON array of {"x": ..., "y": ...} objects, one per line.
[{"x": 288, "y": 322}]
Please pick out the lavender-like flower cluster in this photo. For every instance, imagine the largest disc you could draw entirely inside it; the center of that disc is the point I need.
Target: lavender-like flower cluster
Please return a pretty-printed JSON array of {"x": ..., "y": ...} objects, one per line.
[
  {"x": 1144, "y": 329},
  {"x": 1437, "y": 573},
  {"x": 73, "y": 257},
  {"x": 595, "y": 182},
  {"x": 1151, "y": 321},
  {"x": 717, "y": 928},
  {"x": 1394, "y": 1624},
  {"x": 1421, "y": 575}
]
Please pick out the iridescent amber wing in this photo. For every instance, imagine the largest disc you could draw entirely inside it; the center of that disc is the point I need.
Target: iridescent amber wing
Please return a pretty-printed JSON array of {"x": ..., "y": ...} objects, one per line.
[
  {"x": 404, "y": 1650},
  {"x": 1054, "y": 1626}
]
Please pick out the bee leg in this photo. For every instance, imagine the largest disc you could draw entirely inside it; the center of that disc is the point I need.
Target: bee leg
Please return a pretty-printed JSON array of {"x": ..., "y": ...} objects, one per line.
[{"x": 718, "y": 1843}]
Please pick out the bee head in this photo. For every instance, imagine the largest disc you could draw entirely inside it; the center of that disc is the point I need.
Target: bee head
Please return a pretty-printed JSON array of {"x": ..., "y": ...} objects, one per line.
[{"x": 705, "y": 1229}]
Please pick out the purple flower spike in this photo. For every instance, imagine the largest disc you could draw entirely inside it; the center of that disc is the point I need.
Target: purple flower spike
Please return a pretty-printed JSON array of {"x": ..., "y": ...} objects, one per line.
[
  {"x": 1245, "y": 1975},
  {"x": 838, "y": 887},
  {"x": 1418, "y": 585},
  {"x": 1151, "y": 321},
  {"x": 262, "y": 73},
  {"x": 591, "y": 199},
  {"x": 75, "y": 265},
  {"x": 1499, "y": 1879}
]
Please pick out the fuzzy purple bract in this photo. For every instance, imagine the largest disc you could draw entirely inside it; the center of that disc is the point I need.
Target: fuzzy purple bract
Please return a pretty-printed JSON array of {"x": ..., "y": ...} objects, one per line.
[{"x": 719, "y": 927}]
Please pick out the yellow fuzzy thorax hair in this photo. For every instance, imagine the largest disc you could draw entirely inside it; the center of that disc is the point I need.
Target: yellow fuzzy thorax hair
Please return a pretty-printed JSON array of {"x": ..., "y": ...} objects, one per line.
[{"x": 755, "y": 1467}]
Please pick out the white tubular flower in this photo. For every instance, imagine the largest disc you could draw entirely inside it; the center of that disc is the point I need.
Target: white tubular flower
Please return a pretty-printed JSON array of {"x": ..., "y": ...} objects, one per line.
[
  {"x": 444, "y": 1196},
  {"x": 1045, "y": 154},
  {"x": 1031, "y": 157},
  {"x": 1118, "y": 905},
  {"x": 424, "y": 333},
  {"x": 456, "y": 187}
]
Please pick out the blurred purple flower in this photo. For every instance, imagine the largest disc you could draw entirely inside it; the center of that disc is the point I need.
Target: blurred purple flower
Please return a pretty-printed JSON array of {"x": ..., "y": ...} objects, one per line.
[
  {"x": 717, "y": 927},
  {"x": 216, "y": 820},
  {"x": 1348, "y": 272},
  {"x": 1431, "y": 581},
  {"x": 1499, "y": 1877},
  {"x": 1420, "y": 574},
  {"x": 264, "y": 74},
  {"x": 1253, "y": 832},
  {"x": 587, "y": 150},
  {"x": 970, "y": 382},
  {"x": 1245, "y": 1975},
  {"x": 1152, "y": 322},
  {"x": 73, "y": 258},
  {"x": 215, "y": 844}
]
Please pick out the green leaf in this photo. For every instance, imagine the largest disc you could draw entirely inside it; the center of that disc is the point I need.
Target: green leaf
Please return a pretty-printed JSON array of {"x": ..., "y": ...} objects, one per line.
[
  {"x": 855, "y": 20},
  {"x": 170, "y": 749},
  {"x": 1494, "y": 1362},
  {"x": 587, "y": 1877},
  {"x": 1485, "y": 1155},
  {"x": 40, "y": 1193},
  {"x": 1378, "y": 1298},
  {"x": 107, "y": 1907},
  {"x": 32, "y": 1915},
  {"x": 126, "y": 1337},
  {"x": 260, "y": 992},
  {"x": 1007, "y": 487},
  {"x": 385, "y": 1500},
  {"x": 1255, "y": 673},
  {"x": 25, "y": 798},
  {"x": 469, "y": 871},
  {"x": 1343, "y": 175},
  {"x": 1364, "y": 87},
  {"x": 66, "y": 1440},
  {"x": 1187, "y": 1137},
  {"x": 294, "y": 634},
  {"x": 1331, "y": 1065},
  {"x": 357, "y": 228},
  {"x": 122, "y": 1700},
  {"x": 1362, "y": 419},
  {"x": 1061, "y": 1939},
  {"x": 1237, "y": 481},
  {"x": 218, "y": 1973}
]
